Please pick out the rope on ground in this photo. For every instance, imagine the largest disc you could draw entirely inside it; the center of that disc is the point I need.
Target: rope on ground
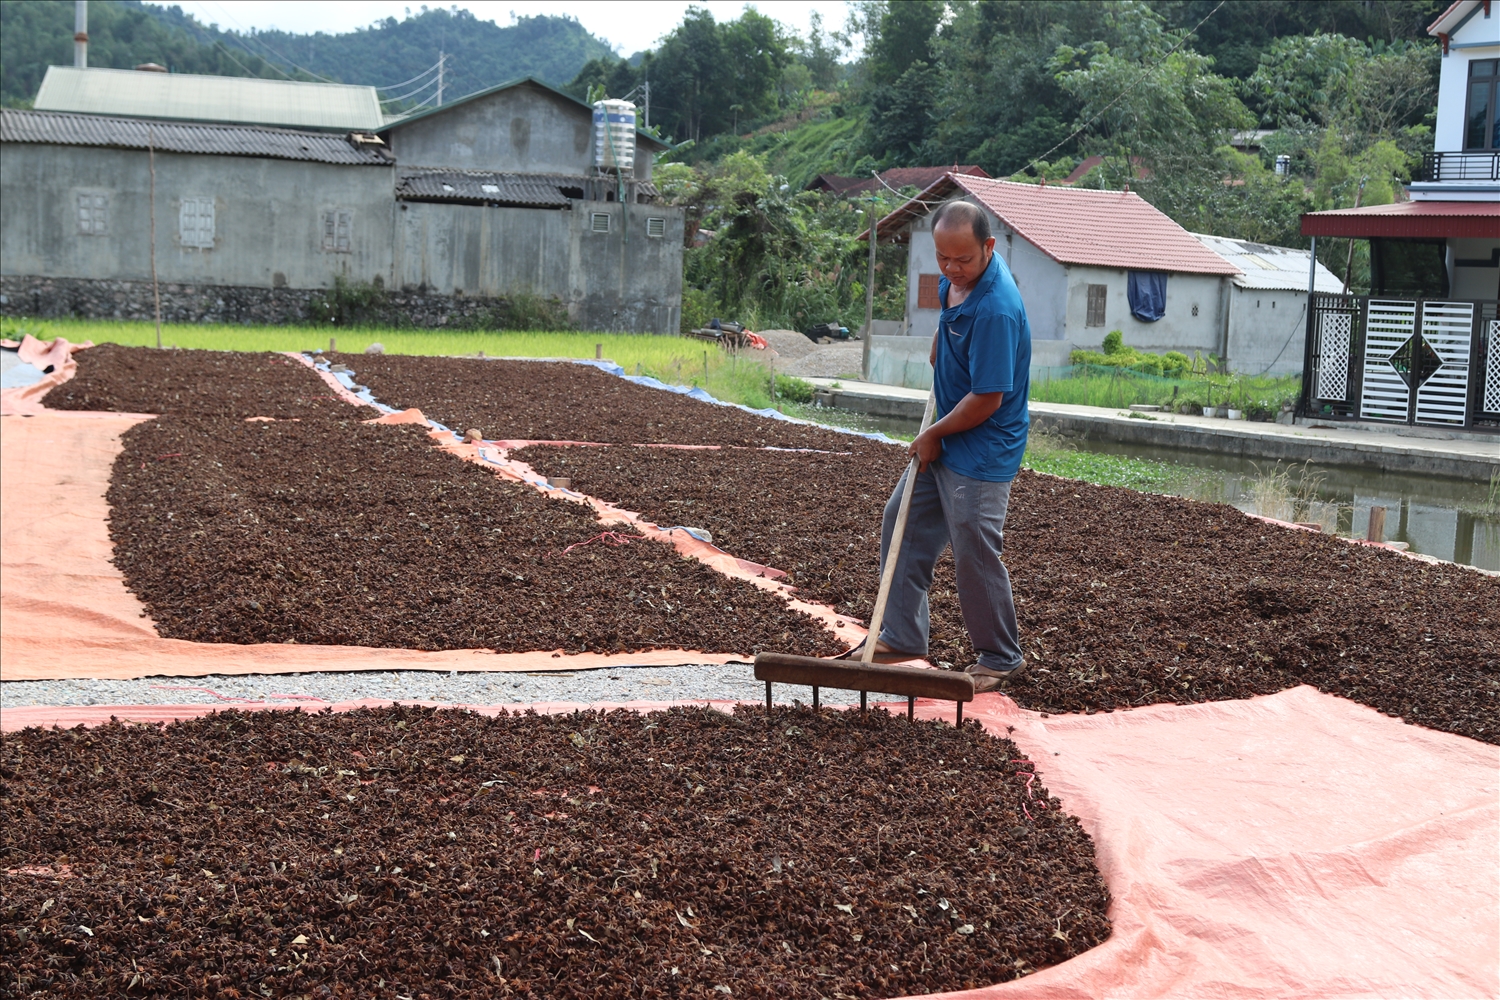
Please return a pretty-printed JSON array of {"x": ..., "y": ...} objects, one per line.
[{"x": 610, "y": 538}]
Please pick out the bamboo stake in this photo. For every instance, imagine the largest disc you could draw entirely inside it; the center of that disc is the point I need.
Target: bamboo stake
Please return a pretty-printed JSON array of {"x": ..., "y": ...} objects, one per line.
[{"x": 155, "y": 286}]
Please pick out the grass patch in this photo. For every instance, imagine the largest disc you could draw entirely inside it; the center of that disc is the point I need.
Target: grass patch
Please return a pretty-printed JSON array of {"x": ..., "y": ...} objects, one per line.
[
  {"x": 675, "y": 360},
  {"x": 1260, "y": 396}
]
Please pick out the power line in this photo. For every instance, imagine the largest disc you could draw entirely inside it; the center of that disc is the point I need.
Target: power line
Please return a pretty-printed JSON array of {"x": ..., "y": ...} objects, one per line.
[
  {"x": 244, "y": 33},
  {"x": 1121, "y": 96}
]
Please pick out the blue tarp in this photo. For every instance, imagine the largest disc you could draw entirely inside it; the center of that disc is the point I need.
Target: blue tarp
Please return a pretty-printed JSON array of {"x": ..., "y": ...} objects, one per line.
[{"x": 1147, "y": 292}]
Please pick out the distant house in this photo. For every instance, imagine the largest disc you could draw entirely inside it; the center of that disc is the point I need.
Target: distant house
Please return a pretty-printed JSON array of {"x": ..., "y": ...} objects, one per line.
[
  {"x": 267, "y": 191},
  {"x": 894, "y": 179},
  {"x": 1076, "y": 255},
  {"x": 1424, "y": 346}
]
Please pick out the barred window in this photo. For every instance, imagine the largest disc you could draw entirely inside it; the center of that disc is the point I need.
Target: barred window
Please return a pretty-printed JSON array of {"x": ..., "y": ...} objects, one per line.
[
  {"x": 93, "y": 214},
  {"x": 196, "y": 223},
  {"x": 927, "y": 291},
  {"x": 337, "y": 224},
  {"x": 1098, "y": 295}
]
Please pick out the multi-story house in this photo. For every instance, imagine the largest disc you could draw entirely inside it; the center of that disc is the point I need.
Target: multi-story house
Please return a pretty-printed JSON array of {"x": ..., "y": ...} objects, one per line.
[{"x": 1424, "y": 346}]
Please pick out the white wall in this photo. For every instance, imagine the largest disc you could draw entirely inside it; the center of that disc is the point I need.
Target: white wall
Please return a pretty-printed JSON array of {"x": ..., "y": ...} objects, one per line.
[
  {"x": 1178, "y": 330},
  {"x": 1478, "y": 38},
  {"x": 1471, "y": 281}
]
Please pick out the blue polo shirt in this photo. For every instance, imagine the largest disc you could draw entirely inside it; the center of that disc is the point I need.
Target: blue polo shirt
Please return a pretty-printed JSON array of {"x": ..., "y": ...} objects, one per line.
[{"x": 984, "y": 345}]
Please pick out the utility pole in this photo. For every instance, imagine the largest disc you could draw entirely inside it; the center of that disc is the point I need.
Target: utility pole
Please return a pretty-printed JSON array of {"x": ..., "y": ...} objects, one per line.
[
  {"x": 441, "y": 57},
  {"x": 870, "y": 222},
  {"x": 81, "y": 34},
  {"x": 646, "y": 93}
]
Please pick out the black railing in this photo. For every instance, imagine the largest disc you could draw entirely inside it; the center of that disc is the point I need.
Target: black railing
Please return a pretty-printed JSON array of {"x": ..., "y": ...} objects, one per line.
[{"x": 1480, "y": 166}]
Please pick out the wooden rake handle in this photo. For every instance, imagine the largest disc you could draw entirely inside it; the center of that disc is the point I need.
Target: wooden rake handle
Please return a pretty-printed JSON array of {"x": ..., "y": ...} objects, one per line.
[{"x": 893, "y": 554}]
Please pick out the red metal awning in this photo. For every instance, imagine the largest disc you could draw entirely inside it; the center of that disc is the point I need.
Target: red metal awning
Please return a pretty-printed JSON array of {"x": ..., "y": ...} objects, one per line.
[{"x": 1409, "y": 220}]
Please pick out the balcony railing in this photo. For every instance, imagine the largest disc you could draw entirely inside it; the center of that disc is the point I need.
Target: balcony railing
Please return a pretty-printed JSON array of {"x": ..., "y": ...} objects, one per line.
[{"x": 1480, "y": 166}]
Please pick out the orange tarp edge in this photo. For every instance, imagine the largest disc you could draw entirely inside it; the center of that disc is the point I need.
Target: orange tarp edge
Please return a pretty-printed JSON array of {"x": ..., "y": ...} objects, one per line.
[
  {"x": 65, "y": 611},
  {"x": 1295, "y": 844}
]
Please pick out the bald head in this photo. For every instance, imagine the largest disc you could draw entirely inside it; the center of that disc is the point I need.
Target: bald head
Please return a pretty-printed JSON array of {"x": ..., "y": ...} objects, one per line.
[{"x": 955, "y": 216}]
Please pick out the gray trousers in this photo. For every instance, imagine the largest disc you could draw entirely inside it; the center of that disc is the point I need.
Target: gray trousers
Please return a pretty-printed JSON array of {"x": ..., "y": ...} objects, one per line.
[{"x": 970, "y": 514}]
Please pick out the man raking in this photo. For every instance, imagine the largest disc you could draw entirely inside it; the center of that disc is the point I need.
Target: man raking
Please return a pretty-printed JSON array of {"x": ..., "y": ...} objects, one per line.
[{"x": 981, "y": 359}]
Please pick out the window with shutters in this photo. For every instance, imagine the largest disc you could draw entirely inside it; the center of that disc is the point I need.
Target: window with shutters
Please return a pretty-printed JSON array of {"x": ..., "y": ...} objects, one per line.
[
  {"x": 1098, "y": 295},
  {"x": 927, "y": 291},
  {"x": 93, "y": 214},
  {"x": 656, "y": 228},
  {"x": 337, "y": 223},
  {"x": 600, "y": 222},
  {"x": 196, "y": 223}
]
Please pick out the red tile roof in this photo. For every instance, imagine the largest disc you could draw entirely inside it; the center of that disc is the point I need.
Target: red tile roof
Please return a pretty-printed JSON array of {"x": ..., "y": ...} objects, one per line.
[
  {"x": 1409, "y": 219},
  {"x": 1076, "y": 225}
]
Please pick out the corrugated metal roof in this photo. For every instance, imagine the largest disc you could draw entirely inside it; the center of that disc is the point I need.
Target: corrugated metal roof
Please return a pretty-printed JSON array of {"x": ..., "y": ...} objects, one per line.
[
  {"x": 1409, "y": 220},
  {"x": 189, "y": 97},
  {"x": 484, "y": 187},
  {"x": 1095, "y": 228},
  {"x": 181, "y": 137},
  {"x": 1269, "y": 267}
]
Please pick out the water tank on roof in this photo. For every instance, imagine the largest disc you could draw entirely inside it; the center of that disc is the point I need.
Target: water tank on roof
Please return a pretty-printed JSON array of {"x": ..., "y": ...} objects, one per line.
[{"x": 614, "y": 135}]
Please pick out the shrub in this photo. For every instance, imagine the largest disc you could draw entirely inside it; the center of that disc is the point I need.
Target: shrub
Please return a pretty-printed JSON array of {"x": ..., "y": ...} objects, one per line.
[
  {"x": 794, "y": 389},
  {"x": 1174, "y": 364},
  {"x": 1114, "y": 342}
]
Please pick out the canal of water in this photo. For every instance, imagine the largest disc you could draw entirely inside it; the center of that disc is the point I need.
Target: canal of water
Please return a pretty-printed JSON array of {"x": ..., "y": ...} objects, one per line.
[{"x": 1446, "y": 518}]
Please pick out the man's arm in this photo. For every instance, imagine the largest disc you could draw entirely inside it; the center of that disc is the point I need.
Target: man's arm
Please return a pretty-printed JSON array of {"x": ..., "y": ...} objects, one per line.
[{"x": 971, "y": 411}]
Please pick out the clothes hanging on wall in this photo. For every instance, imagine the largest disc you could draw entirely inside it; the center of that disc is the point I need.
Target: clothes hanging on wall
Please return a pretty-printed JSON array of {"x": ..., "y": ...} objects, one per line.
[{"x": 1147, "y": 293}]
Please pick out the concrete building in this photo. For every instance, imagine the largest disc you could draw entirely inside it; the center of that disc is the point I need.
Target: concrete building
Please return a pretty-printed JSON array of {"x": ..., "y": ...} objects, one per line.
[
  {"x": 1072, "y": 252},
  {"x": 1268, "y": 303},
  {"x": 1424, "y": 347},
  {"x": 449, "y": 210}
]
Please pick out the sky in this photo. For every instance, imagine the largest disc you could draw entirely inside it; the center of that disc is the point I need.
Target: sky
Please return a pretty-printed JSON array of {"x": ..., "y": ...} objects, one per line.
[{"x": 628, "y": 25}]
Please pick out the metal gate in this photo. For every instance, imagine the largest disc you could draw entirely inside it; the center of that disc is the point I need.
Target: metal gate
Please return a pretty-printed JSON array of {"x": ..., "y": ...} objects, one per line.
[
  {"x": 1441, "y": 375},
  {"x": 1404, "y": 361},
  {"x": 1390, "y": 328}
]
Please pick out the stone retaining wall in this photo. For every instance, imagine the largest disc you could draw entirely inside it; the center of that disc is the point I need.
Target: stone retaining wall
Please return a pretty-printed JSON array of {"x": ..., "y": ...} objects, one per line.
[{"x": 85, "y": 298}]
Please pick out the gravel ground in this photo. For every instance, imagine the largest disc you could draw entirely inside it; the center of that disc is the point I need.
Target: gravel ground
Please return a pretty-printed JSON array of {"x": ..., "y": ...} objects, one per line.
[
  {"x": 827, "y": 361},
  {"x": 687, "y": 683}
]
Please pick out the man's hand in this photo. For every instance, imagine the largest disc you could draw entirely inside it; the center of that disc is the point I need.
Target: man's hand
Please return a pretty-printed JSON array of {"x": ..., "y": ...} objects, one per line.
[
  {"x": 927, "y": 448},
  {"x": 971, "y": 411}
]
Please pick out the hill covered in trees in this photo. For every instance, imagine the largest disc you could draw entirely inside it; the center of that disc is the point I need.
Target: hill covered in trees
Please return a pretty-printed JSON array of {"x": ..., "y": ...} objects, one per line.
[
  {"x": 123, "y": 33},
  {"x": 1157, "y": 90}
]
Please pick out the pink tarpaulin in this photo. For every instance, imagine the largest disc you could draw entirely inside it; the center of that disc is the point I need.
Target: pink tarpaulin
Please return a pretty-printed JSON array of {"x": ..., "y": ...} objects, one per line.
[
  {"x": 57, "y": 355},
  {"x": 1293, "y": 845}
]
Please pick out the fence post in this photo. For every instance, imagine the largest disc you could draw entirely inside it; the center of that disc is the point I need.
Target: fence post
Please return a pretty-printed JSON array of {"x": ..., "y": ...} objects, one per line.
[{"x": 1304, "y": 398}]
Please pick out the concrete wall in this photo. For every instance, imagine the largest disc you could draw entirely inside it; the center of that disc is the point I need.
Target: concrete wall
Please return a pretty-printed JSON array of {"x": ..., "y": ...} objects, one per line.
[
  {"x": 1178, "y": 330},
  {"x": 524, "y": 129},
  {"x": 901, "y": 361},
  {"x": 267, "y": 217},
  {"x": 620, "y": 280},
  {"x": 268, "y": 234},
  {"x": 1267, "y": 330}
]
